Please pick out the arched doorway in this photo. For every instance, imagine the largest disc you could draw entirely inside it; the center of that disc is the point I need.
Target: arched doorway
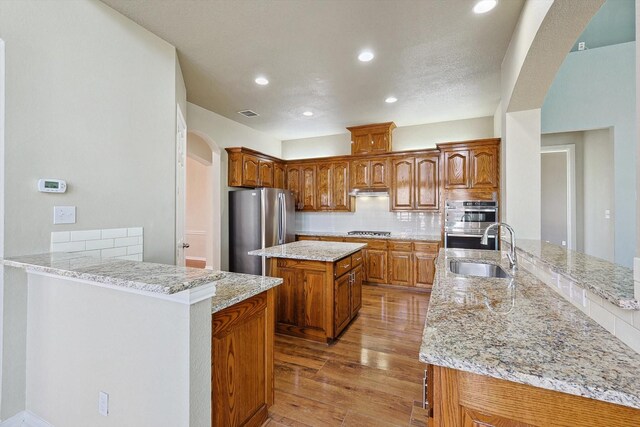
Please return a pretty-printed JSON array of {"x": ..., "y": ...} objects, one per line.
[{"x": 202, "y": 209}]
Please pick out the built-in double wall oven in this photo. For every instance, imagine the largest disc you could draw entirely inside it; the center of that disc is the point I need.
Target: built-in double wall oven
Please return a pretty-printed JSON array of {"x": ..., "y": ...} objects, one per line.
[{"x": 465, "y": 222}]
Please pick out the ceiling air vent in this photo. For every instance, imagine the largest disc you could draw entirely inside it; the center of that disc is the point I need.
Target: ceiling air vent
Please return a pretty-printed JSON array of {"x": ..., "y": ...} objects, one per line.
[{"x": 248, "y": 113}]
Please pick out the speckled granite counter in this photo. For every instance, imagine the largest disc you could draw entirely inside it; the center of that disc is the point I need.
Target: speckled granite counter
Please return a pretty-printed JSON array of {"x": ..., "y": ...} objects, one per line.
[
  {"x": 142, "y": 276},
  {"x": 610, "y": 281},
  {"x": 236, "y": 287},
  {"x": 526, "y": 334},
  {"x": 311, "y": 250},
  {"x": 394, "y": 236}
]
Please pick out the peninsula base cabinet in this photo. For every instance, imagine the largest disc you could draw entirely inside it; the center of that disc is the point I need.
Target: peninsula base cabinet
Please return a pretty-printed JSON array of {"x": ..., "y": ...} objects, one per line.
[
  {"x": 317, "y": 300},
  {"x": 242, "y": 362},
  {"x": 463, "y": 399}
]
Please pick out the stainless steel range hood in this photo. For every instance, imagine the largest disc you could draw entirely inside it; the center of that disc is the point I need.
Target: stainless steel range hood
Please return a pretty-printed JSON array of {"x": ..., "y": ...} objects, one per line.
[{"x": 368, "y": 192}]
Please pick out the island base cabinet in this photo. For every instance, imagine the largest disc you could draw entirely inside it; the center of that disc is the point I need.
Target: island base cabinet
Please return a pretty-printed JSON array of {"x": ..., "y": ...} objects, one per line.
[
  {"x": 464, "y": 399},
  {"x": 242, "y": 362}
]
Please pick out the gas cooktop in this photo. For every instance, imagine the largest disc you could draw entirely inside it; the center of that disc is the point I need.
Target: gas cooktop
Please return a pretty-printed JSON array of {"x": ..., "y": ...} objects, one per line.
[{"x": 370, "y": 233}]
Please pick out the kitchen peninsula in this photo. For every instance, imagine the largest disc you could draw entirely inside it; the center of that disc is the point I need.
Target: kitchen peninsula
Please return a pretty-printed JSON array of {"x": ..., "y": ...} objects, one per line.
[
  {"x": 185, "y": 344},
  {"x": 322, "y": 287},
  {"x": 512, "y": 352}
]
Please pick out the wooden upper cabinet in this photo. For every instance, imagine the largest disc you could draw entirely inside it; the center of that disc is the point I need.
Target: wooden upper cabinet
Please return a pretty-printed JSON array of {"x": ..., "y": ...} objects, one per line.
[
  {"x": 278, "y": 175},
  {"x": 250, "y": 170},
  {"x": 371, "y": 139},
  {"x": 360, "y": 173},
  {"x": 427, "y": 182},
  {"x": 324, "y": 186},
  {"x": 266, "y": 173},
  {"x": 403, "y": 184},
  {"x": 379, "y": 173},
  {"x": 293, "y": 183},
  {"x": 484, "y": 167},
  {"x": 340, "y": 199},
  {"x": 456, "y": 169},
  {"x": 234, "y": 176},
  {"x": 308, "y": 187}
]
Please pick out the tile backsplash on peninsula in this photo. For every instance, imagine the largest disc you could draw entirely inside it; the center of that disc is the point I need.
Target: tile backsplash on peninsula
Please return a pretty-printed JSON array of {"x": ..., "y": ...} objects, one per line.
[
  {"x": 121, "y": 243},
  {"x": 372, "y": 213}
]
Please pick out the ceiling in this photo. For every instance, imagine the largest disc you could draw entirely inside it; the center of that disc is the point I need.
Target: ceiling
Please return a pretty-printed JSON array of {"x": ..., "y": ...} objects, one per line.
[
  {"x": 614, "y": 23},
  {"x": 437, "y": 57}
]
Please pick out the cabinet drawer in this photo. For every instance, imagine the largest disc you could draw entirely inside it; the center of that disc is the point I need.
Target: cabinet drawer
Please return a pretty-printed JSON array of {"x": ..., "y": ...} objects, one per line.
[
  {"x": 396, "y": 245},
  {"x": 371, "y": 243},
  {"x": 343, "y": 266},
  {"x": 331, "y": 239},
  {"x": 356, "y": 259},
  {"x": 426, "y": 246}
]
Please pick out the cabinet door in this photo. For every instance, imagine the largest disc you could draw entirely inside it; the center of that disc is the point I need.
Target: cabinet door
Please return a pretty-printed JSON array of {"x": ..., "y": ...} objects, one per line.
[
  {"x": 427, "y": 183},
  {"x": 456, "y": 169},
  {"x": 234, "y": 176},
  {"x": 484, "y": 167},
  {"x": 424, "y": 269},
  {"x": 278, "y": 175},
  {"x": 360, "y": 174},
  {"x": 342, "y": 303},
  {"x": 313, "y": 300},
  {"x": 340, "y": 199},
  {"x": 376, "y": 261},
  {"x": 402, "y": 187},
  {"x": 266, "y": 173},
  {"x": 250, "y": 170},
  {"x": 356, "y": 290},
  {"x": 241, "y": 371},
  {"x": 380, "y": 142},
  {"x": 308, "y": 187},
  {"x": 293, "y": 184},
  {"x": 324, "y": 179},
  {"x": 361, "y": 144},
  {"x": 379, "y": 173},
  {"x": 287, "y": 296},
  {"x": 401, "y": 268}
]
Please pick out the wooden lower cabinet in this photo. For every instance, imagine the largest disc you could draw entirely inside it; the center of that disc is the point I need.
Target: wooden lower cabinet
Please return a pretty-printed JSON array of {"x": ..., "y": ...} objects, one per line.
[
  {"x": 376, "y": 264},
  {"x": 242, "y": 362},
  {"x": 400, "y": 268},
  {"x": 464, "y": 399},
  {"x": 317, "y": 300}
]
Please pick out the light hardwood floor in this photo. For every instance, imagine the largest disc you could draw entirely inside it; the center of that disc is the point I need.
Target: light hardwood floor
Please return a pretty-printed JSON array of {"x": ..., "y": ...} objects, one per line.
[{"x": 370, "y": 377}]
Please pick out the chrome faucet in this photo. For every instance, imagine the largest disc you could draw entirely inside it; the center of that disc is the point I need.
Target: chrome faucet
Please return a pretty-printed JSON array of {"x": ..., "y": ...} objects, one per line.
[{"x": 513, "y": 259}]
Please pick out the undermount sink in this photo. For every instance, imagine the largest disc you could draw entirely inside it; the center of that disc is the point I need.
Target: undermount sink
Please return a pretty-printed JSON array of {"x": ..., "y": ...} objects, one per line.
[{"x": 478, "y": 269}]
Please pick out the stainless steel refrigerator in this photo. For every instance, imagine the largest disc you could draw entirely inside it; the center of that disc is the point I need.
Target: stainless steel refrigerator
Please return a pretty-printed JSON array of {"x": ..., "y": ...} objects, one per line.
[{"x": 258, "y": 219}]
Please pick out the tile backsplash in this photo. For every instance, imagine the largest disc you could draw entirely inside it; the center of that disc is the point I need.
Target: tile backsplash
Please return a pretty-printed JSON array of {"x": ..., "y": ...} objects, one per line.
[
  {"x": 120, "y": 243},
  {"x": 372, "y": 213}
]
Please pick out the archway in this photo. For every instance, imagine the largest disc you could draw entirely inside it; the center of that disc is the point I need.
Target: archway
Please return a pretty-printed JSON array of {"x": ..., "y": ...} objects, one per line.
[{"x": 203, "y": 214}]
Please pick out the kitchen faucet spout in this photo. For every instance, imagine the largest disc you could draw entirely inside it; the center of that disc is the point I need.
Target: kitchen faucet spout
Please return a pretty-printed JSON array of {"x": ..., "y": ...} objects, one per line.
[{"x": 513, "y": 259}]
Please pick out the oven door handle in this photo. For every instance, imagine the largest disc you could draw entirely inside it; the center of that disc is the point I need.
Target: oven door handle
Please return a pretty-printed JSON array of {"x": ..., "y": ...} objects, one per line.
[{"x": 468, "y": 235}]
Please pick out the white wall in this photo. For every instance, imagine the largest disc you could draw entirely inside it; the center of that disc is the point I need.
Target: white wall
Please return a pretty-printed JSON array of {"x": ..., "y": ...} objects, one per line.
[
  {"x": 83, "y": 339},
  {"x": 595, "y": 89},
  {"x": 522, "y": 168},
  {"x": 227, "y": 133},
  {"x": 91, "y": 98},
  {"x": 198, "y": 215},
  {"x": 404, "y": 138}
]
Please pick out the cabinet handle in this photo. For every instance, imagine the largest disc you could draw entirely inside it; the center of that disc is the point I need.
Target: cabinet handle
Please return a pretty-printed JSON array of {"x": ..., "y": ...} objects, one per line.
[
  {"x": 347, "y": 266},
  {"x": 424, "y": 390}
]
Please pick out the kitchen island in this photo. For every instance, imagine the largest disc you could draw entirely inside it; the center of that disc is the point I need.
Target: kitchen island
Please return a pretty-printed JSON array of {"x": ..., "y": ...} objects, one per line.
[
  {"x": 322, "y": 287},
  {"x": 192, "y": 347},
  {"x": 512, "y": 352}
]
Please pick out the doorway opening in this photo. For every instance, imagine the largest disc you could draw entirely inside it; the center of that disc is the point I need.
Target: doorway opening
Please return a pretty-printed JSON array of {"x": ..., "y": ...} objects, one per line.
[
  {"x": 577, "y": 173},
  {"x": 202, "y": 209}
]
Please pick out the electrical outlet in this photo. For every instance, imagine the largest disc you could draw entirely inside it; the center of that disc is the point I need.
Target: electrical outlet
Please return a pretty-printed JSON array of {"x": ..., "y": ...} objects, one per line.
[
  {"x": 581, "y": 46},
  {"x": 607, "y": 214},
  {"x": 103, "y": 403},
  {"x": 64, "y": 214}
]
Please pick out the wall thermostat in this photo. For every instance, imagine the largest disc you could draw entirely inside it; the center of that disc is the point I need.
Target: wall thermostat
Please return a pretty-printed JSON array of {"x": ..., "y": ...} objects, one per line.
[{"x": 52, "y": 186}]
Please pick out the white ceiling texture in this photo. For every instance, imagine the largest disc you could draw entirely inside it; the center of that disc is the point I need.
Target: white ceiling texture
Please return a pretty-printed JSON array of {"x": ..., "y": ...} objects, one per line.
[{"x": 437, "y": 57}]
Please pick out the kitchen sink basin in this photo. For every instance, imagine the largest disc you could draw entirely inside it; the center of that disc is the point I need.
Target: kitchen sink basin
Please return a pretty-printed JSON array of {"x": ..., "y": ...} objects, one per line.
[{"x": 478, "y": 269}]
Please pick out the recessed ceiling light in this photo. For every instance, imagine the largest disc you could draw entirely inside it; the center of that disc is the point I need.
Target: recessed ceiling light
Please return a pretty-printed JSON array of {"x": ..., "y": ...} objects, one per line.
[
  {"x": 308, "y": 113},
  {"x": 484, "y": 6},
  {"x": 391, "y": 100},
  {"x": 262, "y": 81},
  {"x": 366, "y": 56}
]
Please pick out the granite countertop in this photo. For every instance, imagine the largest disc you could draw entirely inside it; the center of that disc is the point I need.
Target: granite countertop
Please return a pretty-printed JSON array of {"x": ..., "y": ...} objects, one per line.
[
  {"x": 311, "y": 250},
  {"x": 236, "y": 287},
  {"x": 143, "y": 276},
  {"x": 435, "y": 237},
  {"x": 524, "y": 333},
  {"x": 610, "y": 281}
]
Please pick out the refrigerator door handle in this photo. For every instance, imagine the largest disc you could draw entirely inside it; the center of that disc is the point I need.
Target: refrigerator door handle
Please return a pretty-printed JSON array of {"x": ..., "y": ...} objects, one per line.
[
  {"x": 281, "y": 219},
  {"x": 284, "y": 218}
]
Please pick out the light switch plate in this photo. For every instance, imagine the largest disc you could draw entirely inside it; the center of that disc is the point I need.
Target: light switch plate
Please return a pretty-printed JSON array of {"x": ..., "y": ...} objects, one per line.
[
  {"x": 64, "y": 214},
  {"x": 103, "y": 404}
]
